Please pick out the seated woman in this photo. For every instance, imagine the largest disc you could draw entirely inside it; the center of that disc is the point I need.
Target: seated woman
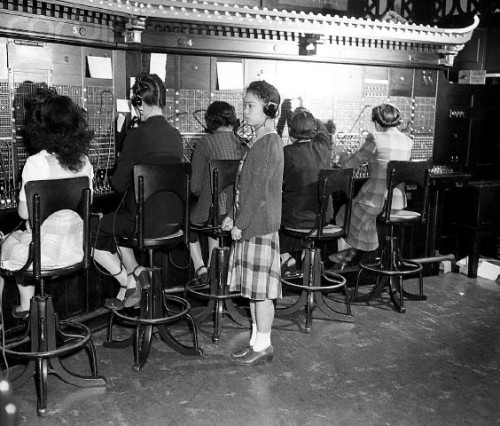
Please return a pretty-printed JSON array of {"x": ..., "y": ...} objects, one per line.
[
  {"x": 219, "y": 144},
  {"x": 57, "y": 129},
  {"x": 153, "y": 141},
  {"x": 387, "y": 144},
  {"x": 309, "y": 152}
]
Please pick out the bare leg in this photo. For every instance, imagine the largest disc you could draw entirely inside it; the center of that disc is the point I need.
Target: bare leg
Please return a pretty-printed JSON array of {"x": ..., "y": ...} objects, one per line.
[
  {"x": 196, "y": 256},
  {"x": 212, "y": 244},
  {"x": 111, "y": 262},
  {"x": 26, "y": 292},
  {"x": 131, "y": 265},
  {"x": 264, "y": 312},
  {"x": 285, "y": 257},
  {"x": 254, "y": 323},
  {"x": 2, "y": 285}
]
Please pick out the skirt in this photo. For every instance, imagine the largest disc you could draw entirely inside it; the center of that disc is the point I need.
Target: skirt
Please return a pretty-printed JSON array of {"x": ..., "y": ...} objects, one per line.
[
  {"x": 61, "y": 237},
  {"x": 363, "y": 228},
  {"x": 254, "y": 267}
]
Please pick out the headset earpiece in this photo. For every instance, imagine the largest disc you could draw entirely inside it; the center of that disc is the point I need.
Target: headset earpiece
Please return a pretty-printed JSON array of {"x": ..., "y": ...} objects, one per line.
[
  {"x": 271, "y": 109},
  {"x": 144, "y": 84},
  {"x": 136, "y": 101}
]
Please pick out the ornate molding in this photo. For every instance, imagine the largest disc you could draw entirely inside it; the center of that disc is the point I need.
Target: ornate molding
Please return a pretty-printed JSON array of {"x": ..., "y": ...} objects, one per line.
[
  {"x": 235, "y": 30},
  {"x": 446, "y": 42}
]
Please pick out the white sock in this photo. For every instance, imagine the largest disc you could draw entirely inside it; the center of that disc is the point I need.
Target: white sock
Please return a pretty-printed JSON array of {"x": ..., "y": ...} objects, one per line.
[
  {"x": 262, "y": 341},
  {"x": 254, "y": 334}
]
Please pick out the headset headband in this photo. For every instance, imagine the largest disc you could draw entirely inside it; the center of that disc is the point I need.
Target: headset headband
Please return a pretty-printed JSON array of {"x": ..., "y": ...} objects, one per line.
[{"x": 378, "y": 118}]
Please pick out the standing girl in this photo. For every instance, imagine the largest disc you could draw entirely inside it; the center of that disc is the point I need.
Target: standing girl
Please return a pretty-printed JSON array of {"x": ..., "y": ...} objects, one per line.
[{"x": 254, "y": 263}]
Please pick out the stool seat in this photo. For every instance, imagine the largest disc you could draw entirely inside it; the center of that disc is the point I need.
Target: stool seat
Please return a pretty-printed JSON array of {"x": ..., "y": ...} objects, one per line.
[
  {"x": 405, "y": 216},
  {"x": 152, "y": 242},
  {"x": 328, "y": 231}
]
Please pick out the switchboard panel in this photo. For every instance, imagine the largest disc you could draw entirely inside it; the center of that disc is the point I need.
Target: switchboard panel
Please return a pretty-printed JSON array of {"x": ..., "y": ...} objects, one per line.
[{"x": 340, "y": 95}]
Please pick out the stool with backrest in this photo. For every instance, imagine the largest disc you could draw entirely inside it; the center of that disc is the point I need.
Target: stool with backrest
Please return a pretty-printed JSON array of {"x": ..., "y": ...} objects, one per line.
[
  {"x": 332, "y": 182},
  {"x": 158, "y": 306},
  {"x": 223, "y": 174},
  {"x": 390, "y": 268},
  {"x": 48, "y": 337}
]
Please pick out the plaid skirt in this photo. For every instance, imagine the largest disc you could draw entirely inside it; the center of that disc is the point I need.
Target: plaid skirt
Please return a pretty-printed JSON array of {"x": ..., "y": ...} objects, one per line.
[{"x": 254, "y": 267}]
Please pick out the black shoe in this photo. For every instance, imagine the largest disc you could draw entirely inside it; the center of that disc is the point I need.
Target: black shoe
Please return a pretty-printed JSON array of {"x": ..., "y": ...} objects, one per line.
[
  {"x": 242, "y": 351},
  {"x": 289, "y": 268},
  {"x": 16, "y": 313},
  {"x": 202, "y": 276},
  {"x": 253, "y": 358}
]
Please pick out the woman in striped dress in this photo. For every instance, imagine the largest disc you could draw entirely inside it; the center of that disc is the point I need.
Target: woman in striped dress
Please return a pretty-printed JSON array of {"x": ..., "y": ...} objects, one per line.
[
  {"x": 386, "y": 145},
  {"x": 219, "y": 144},
  {"x": 254, "y": 263}
]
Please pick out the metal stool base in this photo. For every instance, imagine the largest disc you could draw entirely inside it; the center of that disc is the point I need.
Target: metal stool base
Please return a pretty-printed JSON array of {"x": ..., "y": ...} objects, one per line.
[
  {"x": 390, "y": 270},
  {"x": 220, "y": 300},
  {"x": 42, "y": 329},
  {"x": 312, "y": 291},
  {"x": 152, "y": 317}
]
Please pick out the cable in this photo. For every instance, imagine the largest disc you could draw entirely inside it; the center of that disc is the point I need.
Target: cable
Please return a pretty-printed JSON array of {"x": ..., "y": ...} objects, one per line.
[
  {"x": 177, "y": 114},
  {"x": 110, "y": 142},
  {"x": 97, "y": 266},
  {"x": 357, "y": 119},
  {"x": 191, "y": 147},
  {"x": 198, "y": 120}
]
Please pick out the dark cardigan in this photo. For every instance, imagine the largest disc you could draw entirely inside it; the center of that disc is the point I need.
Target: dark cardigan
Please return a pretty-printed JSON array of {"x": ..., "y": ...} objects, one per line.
[{"x": 261, "y": 179}]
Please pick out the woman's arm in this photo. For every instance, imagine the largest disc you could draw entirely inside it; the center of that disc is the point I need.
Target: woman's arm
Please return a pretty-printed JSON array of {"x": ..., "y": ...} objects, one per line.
[
  {"x": 362, "y": 155},
  {"x": 22, "y": 210}
]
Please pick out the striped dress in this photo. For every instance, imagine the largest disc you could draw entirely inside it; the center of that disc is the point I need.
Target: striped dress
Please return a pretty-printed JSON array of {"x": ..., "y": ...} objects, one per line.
[
  {"x": 220, "y": 145},
  {"x": 377, "y": 150}
]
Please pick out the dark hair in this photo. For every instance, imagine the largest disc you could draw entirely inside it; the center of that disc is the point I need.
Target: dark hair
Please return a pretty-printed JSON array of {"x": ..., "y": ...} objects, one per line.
[
  {"x": 60, "y": 127},
  {"x": 268, "y": 94},
  {"x": 31, "y": 107},
  {"x": 386, "y": 115},
  {"x": 302, "y": 124},
  {"x": 150, "y": 89},
  {"x": 220, "y": 114}
]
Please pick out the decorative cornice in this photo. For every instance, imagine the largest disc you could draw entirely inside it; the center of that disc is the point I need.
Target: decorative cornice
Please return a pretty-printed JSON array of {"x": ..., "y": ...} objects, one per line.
[{"x": 446, "y": 42}]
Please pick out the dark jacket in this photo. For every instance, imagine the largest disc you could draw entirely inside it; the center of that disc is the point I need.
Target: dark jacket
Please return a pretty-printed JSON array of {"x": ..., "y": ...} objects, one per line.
[
  {"x": 154, "y": 142},
  {"x": 303, "y": 161}
]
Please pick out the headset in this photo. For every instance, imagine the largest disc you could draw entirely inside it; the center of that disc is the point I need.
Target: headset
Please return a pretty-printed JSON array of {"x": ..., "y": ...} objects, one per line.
[
  {"x": 142, "y": 84},
  {"x": 379, "y": 112},
  {"x": 271, "y": 109}
]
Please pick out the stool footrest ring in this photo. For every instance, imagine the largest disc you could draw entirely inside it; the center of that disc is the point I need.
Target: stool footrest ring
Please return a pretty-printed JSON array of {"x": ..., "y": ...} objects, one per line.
[
  {"x": 64, "y": 349},
  {"x": 411, "y": 268},
  {"x": 157, "y": 321},
  {"x": 196, "y": 292},
  {"x": 340, "y": 280}
]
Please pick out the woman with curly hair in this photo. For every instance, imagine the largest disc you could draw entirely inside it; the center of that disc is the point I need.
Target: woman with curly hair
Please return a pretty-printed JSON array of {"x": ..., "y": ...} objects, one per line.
[{"x": 57, "y": 128}]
